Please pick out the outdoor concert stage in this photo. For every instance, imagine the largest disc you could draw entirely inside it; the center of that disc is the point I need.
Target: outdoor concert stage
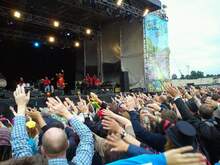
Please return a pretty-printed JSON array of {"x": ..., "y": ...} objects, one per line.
[{"x": 40, "y": 38}]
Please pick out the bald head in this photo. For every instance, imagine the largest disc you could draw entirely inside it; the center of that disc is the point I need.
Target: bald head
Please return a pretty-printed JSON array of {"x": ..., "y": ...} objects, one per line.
[{"x": 54, "y": 141}]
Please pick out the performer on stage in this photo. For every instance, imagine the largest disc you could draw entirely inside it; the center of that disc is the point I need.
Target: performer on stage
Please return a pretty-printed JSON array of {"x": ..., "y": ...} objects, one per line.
[
  {"x": 61, "y": 81},
  {"x": 98, "y": 82},
  {"x": 47, "y": 83}
]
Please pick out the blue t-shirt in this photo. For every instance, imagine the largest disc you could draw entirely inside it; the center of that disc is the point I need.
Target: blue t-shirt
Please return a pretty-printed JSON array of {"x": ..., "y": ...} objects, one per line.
[{"x": 143, "y": 160}]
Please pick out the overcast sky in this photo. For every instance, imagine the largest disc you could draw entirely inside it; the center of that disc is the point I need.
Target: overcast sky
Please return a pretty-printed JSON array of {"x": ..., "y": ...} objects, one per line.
[{"x": 194, "y": 35}]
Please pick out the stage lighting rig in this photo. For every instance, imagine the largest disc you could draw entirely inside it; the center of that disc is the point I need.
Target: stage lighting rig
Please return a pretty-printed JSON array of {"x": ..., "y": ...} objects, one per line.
[
  {"x": 146, "y": 11},
  {"x": 88, "y": 31},
  {"x": 119, "y": 2},
  {"x": 56, "y": 24},
  {"x": 51, "y": 39},
  {"x": 36, "y": 44},
  {"x": 76, "y": 44},
  {"x": 17, "y": 14}
]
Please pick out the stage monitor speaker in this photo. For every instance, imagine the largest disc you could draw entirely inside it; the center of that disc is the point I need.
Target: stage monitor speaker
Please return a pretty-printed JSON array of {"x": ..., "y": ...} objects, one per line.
[{"x": 124, "y": 82}]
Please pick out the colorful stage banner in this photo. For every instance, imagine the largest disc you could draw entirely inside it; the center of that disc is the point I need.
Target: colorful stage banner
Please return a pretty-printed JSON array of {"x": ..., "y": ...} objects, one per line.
[{"x": 156, "y": 51}]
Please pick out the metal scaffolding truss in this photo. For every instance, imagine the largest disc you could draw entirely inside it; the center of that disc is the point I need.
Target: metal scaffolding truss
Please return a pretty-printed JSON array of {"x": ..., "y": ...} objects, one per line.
[
  {"x": 124, "y": 8},
  {"x": 104, "y": 6},
  {"x": 43, "y": 21},
  {"x": 162, "y": 14},
  {"x": 86, "y": 6}
]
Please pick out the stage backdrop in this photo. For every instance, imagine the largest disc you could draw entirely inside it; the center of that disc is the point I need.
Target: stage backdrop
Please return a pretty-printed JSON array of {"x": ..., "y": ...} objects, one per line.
[{"x": 156, "y": 51}]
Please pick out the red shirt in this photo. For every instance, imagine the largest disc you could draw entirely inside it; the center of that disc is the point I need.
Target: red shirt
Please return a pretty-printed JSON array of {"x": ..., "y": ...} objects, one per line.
[
  {"x": 97, "y": 82},
  {"x": 60, "y": 82},
  {"x": 46, "y": 82}
]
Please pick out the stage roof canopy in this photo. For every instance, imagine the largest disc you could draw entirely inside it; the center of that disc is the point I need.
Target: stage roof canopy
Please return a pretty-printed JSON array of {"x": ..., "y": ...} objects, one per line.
[{"x": 74, "y": 15}]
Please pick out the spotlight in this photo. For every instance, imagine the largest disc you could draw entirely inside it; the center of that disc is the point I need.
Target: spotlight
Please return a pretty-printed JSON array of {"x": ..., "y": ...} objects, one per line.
[
  {"x": 119, "y": 2},
  {"x": 77, "y": 44},
  {"x": 51, "y": 39},
  {"x": 56, "y": 24},
  {"x": 36, "y": 44},
  {"x": 88, "y": 31},
  {"x": 68, "y": 34},
  {"x": 146, "y": 11},
  {"x": 17, "y": 14}
]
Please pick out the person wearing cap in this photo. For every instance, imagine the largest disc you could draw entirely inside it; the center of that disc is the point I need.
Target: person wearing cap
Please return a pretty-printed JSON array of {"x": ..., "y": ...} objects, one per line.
[
  {"x": 180, "y": 135},
  {"x": 5, "y": 145}
]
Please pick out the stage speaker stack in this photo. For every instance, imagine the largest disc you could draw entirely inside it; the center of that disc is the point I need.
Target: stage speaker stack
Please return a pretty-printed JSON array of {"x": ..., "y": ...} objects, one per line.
[{"x": 124, "y": 82}]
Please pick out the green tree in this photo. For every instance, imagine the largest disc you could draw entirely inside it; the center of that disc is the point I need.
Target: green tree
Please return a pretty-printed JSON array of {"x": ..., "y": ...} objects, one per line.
[
  {"x": 193, "y": 75},
  {"x": 188, "y": 77},
  {"x": 200, "y": 74},
  {"x": 182, "y": 76}
]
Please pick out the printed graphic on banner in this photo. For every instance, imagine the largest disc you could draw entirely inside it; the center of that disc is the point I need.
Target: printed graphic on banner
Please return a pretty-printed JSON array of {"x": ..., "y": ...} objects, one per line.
[{"x": 156, "y": 51}]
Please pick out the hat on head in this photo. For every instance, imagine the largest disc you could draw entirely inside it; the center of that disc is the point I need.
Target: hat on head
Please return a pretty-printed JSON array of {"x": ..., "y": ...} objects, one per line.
[
  {"x": 183, "y": 134},
  {"x": 5, "y": 137}
]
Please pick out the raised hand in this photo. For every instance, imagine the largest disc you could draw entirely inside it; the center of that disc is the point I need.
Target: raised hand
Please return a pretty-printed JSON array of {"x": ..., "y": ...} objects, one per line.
[
  {"x": 68, "y": 103},
  {"x": 56, "y": 106},
  {"x": 108, "y": 113},
  {"x": 130, "y": 103},
  {"x": 181, "y": 156},
  {"x": 111, "y": 125},
  {"x": 21, "y": 99},
  {"x": 117, "y": 143},
  {"x": 82, "y": 106},
  {"x": 193, "y": 91},
  {"x": 153, "y": 118},
  {"x": 34, "y": 114},
  {"x": 154, "y": 106},
  {"x": 173, "y": 91},
  {"x": 93, "y": 96}
]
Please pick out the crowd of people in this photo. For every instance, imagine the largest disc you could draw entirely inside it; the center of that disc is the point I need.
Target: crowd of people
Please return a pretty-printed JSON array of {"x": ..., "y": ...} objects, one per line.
[{"x": 179, "y": 126}]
